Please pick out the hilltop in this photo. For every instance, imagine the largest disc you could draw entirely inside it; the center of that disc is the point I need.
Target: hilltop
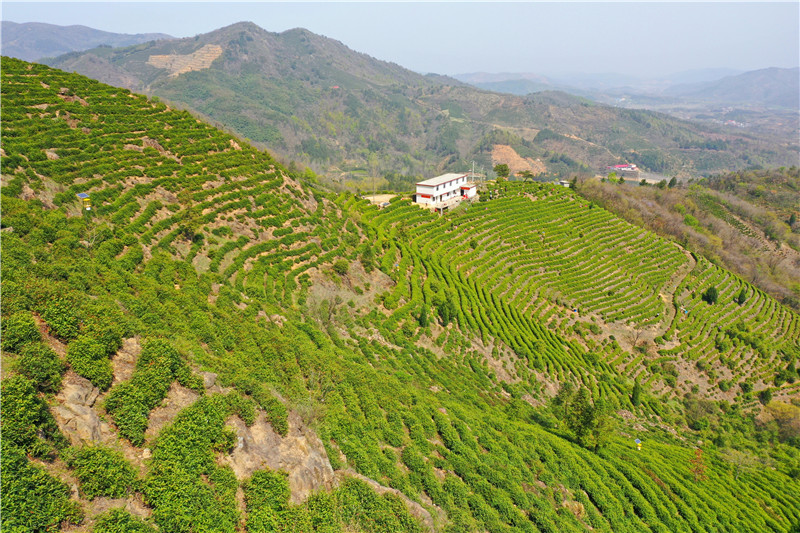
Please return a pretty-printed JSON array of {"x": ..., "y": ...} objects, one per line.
[
  {"x": 349, "y": 116},
  {"x": 221, "y": 344}
]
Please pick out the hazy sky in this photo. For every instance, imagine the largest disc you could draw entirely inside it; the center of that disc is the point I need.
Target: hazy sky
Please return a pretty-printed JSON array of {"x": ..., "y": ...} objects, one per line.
[{"x": 640, "y": 38}]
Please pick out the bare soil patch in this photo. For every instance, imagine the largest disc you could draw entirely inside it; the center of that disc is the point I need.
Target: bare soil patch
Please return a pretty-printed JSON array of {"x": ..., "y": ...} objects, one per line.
[{"x": 505, "y": 154}]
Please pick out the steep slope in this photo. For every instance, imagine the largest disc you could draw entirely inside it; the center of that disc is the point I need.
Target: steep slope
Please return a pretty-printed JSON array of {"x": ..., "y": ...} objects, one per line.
[
  {"x": 211, "y": 307},
  {"x": 32, "y": 41},
  {"x": 351, "y": 116}
]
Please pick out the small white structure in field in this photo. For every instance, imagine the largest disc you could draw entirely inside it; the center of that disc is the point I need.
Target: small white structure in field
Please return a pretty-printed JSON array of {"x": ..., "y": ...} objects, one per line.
[{"x": 445, "y": 190}]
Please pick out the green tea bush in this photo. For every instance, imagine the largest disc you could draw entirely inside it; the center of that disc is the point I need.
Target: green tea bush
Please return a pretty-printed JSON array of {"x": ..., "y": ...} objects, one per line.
[
  {"x": 39, "y": 363},
  {"x": 121, "y": 521},
  {"x": 89, "y": 358},
  {"x": 105, "y": 323},
  {"x": 18, "y": 330},
  {"x": 33, "y": 500},
  {"x": 130, "y": 402},
  {"x": 62, "y": 316},
  {"x": 187, "y": 489},
  {"x": 26, "y": 417},
  {"x": 101, "y": 471},
  {"x": 266, "y": 496}
]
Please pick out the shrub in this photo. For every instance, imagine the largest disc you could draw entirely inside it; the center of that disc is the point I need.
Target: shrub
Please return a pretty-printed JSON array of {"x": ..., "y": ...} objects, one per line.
[
  {"x": 765, "y": 396},
  {"x": 185, "y": 487},
  {"x": 742, "y": 296},
  {"x": 41, "y": 365},
  {"x": 62, "y": 315},
  {"x": 105, "y": 323},
  {"x": 89, "y": 359},
  {"x": 341, "y": 267},
  {"x": 18, "y": 330},
  {"x": 130, "y": 402},
  {"x": 25, "y": 415},
  {"x": 267, "y": 489},
  {"x": 33, "y": 500},
  {"x": 121, "y": 521},
  {"x": 101, "y": 471}
]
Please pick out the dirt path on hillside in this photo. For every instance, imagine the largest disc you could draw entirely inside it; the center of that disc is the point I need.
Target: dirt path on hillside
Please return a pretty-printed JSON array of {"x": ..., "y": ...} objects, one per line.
[{"x": 667, "y": 292}]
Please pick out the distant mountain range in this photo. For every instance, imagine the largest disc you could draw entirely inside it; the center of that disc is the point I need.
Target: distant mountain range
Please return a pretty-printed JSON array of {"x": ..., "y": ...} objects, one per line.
[
  {"x": 312, "y": 99},
  {"x": 778, "y": 87},
  {"x": 771, "y": 87},
  {"x": 32, "y": 41}
]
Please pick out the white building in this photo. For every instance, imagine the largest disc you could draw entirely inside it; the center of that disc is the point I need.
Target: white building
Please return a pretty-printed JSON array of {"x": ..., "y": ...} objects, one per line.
[{"x": 445, "y": 190}]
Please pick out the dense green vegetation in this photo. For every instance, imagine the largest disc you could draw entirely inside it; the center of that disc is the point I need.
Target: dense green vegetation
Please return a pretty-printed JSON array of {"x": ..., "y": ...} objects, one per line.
[{"x": 424, "y": 351}]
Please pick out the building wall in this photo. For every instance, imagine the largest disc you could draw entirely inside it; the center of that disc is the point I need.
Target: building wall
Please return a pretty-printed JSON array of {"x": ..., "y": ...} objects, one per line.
[{"x": 440, "y": 193}]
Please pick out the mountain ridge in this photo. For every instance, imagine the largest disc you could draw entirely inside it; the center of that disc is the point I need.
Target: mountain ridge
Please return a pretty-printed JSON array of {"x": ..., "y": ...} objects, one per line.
[
  {"x": 32, "y": 41},
  {"x": 769, "y": 87},
  {"x": 350, "y": 116}
]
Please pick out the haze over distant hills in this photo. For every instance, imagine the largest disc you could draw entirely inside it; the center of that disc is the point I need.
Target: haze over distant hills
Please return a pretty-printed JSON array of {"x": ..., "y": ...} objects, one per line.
[
  {"x": 597, "y": 81},
  {"x": 32, "y": 41},
  {"x": 314, "y": 100},
  {"x": 770, "y": 86},
  {"x": 775, "y": 87}
]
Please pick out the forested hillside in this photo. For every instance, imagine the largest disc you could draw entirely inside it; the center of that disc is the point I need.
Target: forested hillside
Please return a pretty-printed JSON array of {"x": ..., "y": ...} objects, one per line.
[
  {"x": 219, "y": 344},
  {"x": 349, "y": 116}
]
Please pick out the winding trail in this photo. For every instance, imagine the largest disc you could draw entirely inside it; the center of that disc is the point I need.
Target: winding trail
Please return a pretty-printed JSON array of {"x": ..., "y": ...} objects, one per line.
[{"x": 667, "y": 292}]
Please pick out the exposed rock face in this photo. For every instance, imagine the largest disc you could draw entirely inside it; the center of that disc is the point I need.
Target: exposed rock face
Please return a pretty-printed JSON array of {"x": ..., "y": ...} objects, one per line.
[
  {"x": 300, "y": 454},
  {"x": 178, "y": 397},
  {"x": 74, "y": 414},
  {"x": 123, "y": 363}
]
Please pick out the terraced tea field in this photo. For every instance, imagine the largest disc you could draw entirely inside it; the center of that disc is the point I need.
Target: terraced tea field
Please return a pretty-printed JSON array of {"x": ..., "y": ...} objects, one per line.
[{"x": 212, "y": 305}]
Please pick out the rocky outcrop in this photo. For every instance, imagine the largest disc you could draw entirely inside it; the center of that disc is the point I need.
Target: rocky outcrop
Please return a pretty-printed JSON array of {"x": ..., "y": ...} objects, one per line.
[
  {"x": 300, "y": 454},
  {"x": 123, "y": 363},
  {"x": 178, "y": 398},
  {"x": 75, "y": 415}
]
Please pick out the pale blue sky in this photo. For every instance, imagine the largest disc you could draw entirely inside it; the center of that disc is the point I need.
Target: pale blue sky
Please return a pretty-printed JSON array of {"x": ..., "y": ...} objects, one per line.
[{"x": 639, "y": 38}]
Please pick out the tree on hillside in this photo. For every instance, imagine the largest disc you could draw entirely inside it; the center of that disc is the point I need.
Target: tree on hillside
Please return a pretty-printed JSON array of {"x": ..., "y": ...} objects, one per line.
[
  {"x": 698, "y": 465},
  {"x": 589, "y": 420},
  {"x": 423, "y": 317},
  {"x": 787, "y": 417},
  {"x": 673, "y": 182},
  {"x": 742, "y": 462},
  {"x": 636, "y": 395},
  {"x": 563, "y": 399},
  {"x": 502, "y": 170},
  {"x": 710, "y": 296},
  {"x": 528, "y": 175},
  {"x": 742, "y": 297}
]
